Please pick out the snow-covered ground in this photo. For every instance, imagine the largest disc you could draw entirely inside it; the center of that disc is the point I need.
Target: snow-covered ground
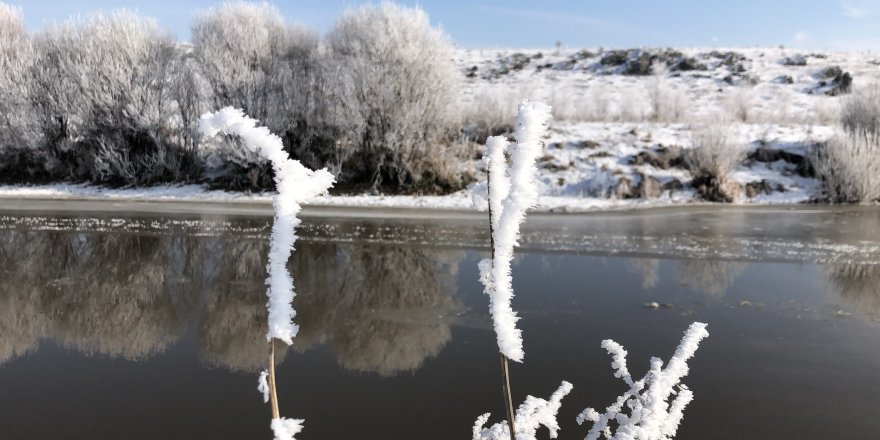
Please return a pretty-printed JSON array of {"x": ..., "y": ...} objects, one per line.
[{"x": 604, "y": 148}]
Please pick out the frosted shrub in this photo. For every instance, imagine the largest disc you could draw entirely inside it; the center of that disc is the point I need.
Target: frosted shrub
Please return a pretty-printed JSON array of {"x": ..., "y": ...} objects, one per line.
[
  {"x": 714, "y": 154},
  {"x": 668, "y": 104},
  {"x": 739, "y": 101},
  {"x": 530, "y": 416},
  {"x": 849, "y": 162},
  {"x": 849, "y": 167},
  {"x": 488, "y": 112},
  {"x": 105, "y": 102},
  {"x": 644, "y": 412},
  {"x": 393, "y": 81},
  {"x": 631, "y": 105},
  {"x": 860, "y": 110}
]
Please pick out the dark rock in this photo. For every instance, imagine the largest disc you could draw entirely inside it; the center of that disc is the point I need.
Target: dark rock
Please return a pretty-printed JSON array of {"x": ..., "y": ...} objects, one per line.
[
  {"x": 803, "y": 165},
  {"x": 673, "y": 185},
  {"x": 624, "y": 189},
  {"x": 678, "y": 62},
  {"x": 833, "y": 81},
  {"x": 649, "y": 187},
  {"x": 599, "y": 155},
  {"x": 729, "y": 58},
  {"x": 661, "y": 158},
  {"x": 588, "y": 144},
  {"x": 763, "y": 187},
  {"x": 614, "y": 58},
  {"x": 712, "y": 189},
  {"x": 583, "y": 54},
  {"x": 794, "y": 60},
  {"x": 628, "y": 62},
  {"x": 783, "y": 79}
]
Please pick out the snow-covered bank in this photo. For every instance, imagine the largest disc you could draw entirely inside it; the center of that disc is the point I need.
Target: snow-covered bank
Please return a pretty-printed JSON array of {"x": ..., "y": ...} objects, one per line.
[{"x": 585, "y": 167}]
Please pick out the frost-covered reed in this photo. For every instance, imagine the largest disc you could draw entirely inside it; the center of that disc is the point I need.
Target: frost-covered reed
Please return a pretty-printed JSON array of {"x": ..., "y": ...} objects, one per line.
[
  {"x": 295, "y": 184},
  {"x": 512, "y": 189},
  {"x": 651, "y": 415}
]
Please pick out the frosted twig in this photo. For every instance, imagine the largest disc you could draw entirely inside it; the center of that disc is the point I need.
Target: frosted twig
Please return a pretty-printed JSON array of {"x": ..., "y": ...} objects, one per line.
[
  {"x": 651, "y": 416},
  {"x": 531, "y": 415}
]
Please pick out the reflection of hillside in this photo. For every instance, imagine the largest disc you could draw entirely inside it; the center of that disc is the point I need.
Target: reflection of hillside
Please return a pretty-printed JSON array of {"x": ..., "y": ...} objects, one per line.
[
  {"x": 857, "y": 285},
  {"x": 380, "y": 308},
  {"x": 712, "y": 277}
]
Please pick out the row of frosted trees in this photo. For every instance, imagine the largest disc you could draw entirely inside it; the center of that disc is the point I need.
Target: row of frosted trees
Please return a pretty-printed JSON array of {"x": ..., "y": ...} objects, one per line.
[{"x": 115, "y": 99}]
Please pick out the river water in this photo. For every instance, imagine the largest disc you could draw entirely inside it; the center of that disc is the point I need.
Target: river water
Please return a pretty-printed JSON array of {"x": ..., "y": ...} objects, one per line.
[{"x": 151, "y": 326}]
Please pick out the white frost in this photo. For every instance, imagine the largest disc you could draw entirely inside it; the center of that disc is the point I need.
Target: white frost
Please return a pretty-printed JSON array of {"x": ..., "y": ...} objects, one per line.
[
  {"x": 296, "y": 184},
  {"x": 263, "y": 385},
  {"x": 651, "y": 416},
  {"x": 531, "y": 415},
  {"x": 285, "y": 429},
  {"x": 512, "y": 191}
]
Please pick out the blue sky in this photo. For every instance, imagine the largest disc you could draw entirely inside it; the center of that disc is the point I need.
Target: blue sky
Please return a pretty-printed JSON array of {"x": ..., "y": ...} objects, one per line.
[{"x": 808, "y": 24}]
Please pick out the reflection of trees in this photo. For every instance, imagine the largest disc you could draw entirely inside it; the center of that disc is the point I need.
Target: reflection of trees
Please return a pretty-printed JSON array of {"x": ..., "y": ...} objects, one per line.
[
  {"x": 395, "y": 309},
  {"x": 712, "y": 277},
  {"x": 857, "y": 285},
  {"x": 648, "y": 268},
  {"x": 380, "y": 308},
  {"x": 89, "y": 292}
]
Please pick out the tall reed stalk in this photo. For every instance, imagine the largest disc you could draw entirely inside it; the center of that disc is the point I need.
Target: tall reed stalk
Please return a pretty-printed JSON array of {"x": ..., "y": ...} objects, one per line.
[
  {"x": 505, "y": 370},
  {"x": 273, "y": 395}
]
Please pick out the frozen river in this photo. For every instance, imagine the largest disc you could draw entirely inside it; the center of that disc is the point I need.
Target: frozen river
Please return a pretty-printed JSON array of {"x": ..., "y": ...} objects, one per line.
[{"x": 147, "y": 321}]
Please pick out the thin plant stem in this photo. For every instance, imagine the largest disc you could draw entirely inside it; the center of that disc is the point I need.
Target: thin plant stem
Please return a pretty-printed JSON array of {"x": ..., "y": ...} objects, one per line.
[
  {"x": 505, "y": 388},
  {"x": 505, "y": 370},
  {"x": 273, "y": 395}
]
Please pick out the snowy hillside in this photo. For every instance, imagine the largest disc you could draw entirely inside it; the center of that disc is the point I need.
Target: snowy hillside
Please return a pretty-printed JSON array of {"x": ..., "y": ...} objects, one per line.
[{"x": 622, "y": 127}]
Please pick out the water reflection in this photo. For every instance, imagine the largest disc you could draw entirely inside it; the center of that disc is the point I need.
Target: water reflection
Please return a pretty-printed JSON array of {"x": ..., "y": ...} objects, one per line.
[
  {"x": 857, "y": 285},
  {"x": 381, "y": 309},
  {"x": 712, "y": 277}
]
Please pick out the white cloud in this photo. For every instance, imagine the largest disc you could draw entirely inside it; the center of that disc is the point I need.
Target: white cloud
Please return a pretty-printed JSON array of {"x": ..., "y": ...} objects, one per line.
[
  {"x": 801, "y": 39},
  {"x": 859, "y": 9}
]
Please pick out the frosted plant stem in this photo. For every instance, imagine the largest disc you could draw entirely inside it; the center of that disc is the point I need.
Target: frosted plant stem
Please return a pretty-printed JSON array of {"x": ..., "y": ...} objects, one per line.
[
  {"x": 505, "y": 370},
  {"x": 505, "y": 388},
  {"x": 273, "y": 395}
]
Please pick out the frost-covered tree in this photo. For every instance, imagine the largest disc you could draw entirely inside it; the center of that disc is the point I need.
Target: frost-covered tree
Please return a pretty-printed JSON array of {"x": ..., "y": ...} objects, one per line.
[
  {"x": 393, "y": 81},
  {"x": 19, "y": 135},
  {"x": 250, "y": 59},
  {"x": 239, "y": 46},
  {"x": 103, "y": 89}
]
